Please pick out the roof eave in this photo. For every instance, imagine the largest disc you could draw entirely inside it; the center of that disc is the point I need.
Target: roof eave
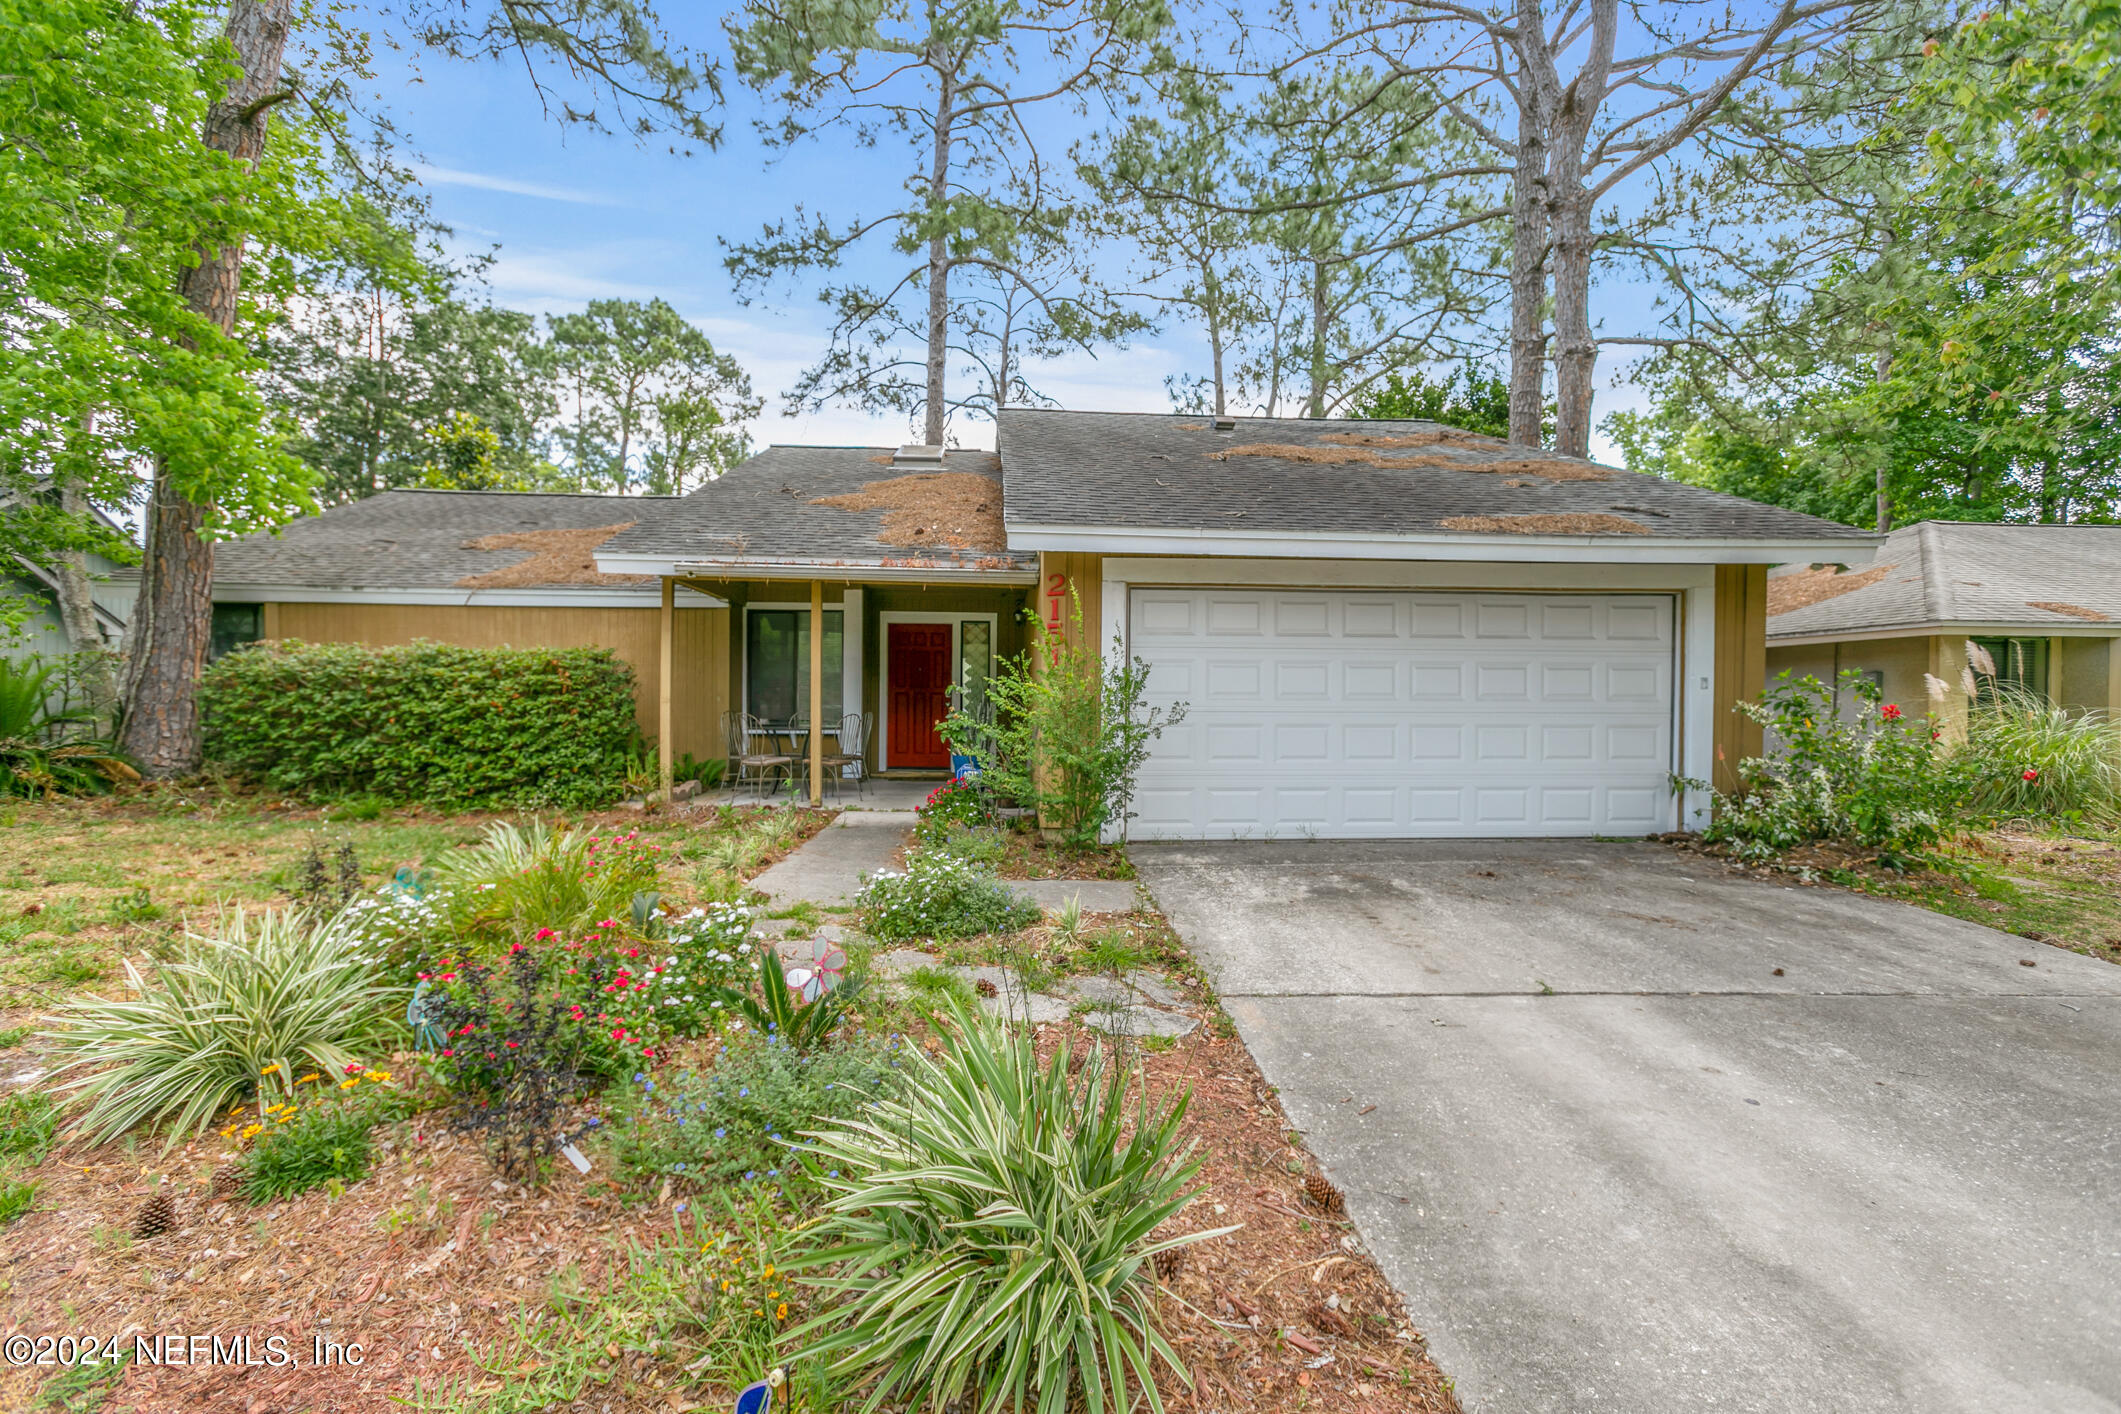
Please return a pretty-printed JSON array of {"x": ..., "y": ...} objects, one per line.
[
  {"x": 1984, "y": 628},
  {"x": 828, "y": 571},
  {"x": 1563, "y": 549}
]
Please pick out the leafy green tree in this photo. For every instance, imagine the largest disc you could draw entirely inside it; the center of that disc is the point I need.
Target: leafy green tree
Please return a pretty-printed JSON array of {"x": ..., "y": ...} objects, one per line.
[
  {"x": 1472, "y": 397},
  {"x": 649, "y": 385},
  {"x": 1931, "y": 335},
  {"x": 363, "y": 367},
  {"x": 947, "y": 89}
]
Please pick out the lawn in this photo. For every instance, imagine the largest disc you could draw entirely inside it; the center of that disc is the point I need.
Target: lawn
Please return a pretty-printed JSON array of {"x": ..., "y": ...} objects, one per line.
[
  {"x": 2057, "y": 888},
  {"x": 652, "y": 1282}
]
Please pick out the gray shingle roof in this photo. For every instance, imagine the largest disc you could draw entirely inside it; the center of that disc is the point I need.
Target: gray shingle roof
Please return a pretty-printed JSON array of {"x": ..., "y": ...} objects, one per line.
[
  {"x": 1955, "y": 572},
  {"x": 762, "y": 510},
  {"x": 1157, "y": 471},
  {"x": 413, "y": 539}
]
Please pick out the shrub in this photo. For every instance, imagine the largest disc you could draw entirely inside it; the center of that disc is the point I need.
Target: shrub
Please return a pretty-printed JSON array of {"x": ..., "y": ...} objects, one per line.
[
  {"x": 1882, "y": 782},
  {"x": 941, "y": 897},
  {"x": 679, "y": 990},
  {"x": 521, "y": 1042},
  {"x": 988, "y": 1240},
  {"x": 233, "y": 1020},
  {"x": 2033, "y": 758},
  {"x": 17, "y": 1195},
  {"x": 520, "y": 879},
  {"x": 1064, "y": 730},
  {"x": 48, "y": 744},
  {"x": 979, "y": 844},
  {"x": 429, "y": 722},
  {"x": 961, "y": 803},
  {"x": 737, "y": 1121}
]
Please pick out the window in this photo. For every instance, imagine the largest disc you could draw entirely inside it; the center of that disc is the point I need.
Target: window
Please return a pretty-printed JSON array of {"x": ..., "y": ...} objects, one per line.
[
  {"x": 234, "y": 626},
  {"x": 777, "y": 663},
  {"x": 2020, "y": 662},
  {"x": 975, "y": 659}
]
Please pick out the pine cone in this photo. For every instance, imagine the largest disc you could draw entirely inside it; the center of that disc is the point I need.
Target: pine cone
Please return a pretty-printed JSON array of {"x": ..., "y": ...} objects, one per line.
[
  {"x": 1324, "y": 1194},
  {"x": 986, "y": 988},
  {"x": 228, "y": 1181},
  {"x": 156, "y": 1216},
  {"x": 1168, "y": 1263}
]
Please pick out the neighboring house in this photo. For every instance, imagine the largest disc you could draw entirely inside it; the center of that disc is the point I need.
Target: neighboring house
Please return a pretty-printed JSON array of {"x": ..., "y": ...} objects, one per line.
[
  {"x": 2043, "y": 600},
  {"x": 1380, "y": 628},
  {"x": 44, "y": 630},
  {"x": 479, "y": 568}
]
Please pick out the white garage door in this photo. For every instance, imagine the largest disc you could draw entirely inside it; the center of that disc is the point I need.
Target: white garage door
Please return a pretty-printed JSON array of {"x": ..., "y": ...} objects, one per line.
[{"x": 1348, "y": 714}]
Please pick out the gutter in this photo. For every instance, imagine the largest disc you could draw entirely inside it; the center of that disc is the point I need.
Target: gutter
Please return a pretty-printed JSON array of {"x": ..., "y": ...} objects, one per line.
[{"x": 1853, "y": 550}]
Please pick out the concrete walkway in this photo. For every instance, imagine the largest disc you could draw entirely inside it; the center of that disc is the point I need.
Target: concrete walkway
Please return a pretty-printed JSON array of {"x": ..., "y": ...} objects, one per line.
[
  {"x": 1632, "y": 1134},
  {"x": 829, "y": 868}
]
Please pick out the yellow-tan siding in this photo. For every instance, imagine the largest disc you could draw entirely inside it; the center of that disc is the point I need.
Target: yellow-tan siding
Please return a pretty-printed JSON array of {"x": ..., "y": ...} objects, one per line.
[
  {"x": 700, "y": 686},
  {"x": 1740, "y": 671}
]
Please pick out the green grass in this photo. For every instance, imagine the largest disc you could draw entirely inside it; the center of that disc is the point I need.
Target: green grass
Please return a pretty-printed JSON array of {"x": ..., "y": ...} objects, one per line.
[
  {"x": 690, "y": 1314},
  {"x": 81, "y": 1389},
  {"x": 2064, "y": 890}
]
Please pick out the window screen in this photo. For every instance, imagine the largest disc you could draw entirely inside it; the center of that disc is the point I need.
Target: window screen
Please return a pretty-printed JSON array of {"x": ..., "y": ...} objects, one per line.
[{"x": 777, "y": 663}]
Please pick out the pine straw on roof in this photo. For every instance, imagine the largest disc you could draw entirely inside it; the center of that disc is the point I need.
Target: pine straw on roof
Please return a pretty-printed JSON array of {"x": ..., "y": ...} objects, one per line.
[
  {"x": 556, "y": 557},
  {"x": 2075, "y": 611},
  {"x": 1570, "y": 523},
  {"x": 1549, "y": 468},
  {"x": 956, "y": 510},
  {"x": 1444, "y": 436},
  {"x": 1787, "y": 592}
]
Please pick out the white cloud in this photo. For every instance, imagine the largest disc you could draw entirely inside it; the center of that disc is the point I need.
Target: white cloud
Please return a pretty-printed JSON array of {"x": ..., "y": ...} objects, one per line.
[{"x": 453, "y": 177}]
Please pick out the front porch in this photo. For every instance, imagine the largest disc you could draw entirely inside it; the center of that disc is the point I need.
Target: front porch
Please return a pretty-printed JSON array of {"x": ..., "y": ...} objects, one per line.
[{"x": 892, "y": 649}]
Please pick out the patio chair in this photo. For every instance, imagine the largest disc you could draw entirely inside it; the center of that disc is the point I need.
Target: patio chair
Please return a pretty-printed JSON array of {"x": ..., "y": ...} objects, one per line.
[
  {"x": 852, "y": 750},
  {"x": 748, "y": 763}
]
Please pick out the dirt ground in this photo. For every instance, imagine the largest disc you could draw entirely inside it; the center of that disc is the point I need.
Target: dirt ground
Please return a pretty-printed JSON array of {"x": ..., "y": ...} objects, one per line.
[{"x": 425, "y": 1263}]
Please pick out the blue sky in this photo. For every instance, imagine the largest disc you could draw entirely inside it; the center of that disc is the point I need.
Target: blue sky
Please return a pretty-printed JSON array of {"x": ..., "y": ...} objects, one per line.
[{"x": 574, "y": 214}]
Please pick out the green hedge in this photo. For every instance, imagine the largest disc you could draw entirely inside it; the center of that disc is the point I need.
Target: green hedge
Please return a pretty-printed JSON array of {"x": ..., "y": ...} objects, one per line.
[{"x": 431, "y": 722}]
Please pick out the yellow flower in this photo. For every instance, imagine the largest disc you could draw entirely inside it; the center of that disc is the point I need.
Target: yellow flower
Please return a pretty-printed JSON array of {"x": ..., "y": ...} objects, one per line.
[
  {"x": 781, "y": 1313},
  {"x": 348, "y": 1084},
  {"x": 767, "y": 1273},
  {"x": 251, "y": 1129},
  {"x": 270, "y": 1069}
]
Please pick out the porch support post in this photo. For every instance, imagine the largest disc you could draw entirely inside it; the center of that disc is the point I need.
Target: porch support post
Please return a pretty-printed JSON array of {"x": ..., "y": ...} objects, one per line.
[
  {"x": 665, "y": 760},
  {"x": 817, "y": 692}
]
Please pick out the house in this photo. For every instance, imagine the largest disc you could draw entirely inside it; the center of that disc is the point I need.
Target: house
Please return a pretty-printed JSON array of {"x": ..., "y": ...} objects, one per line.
[
  {"x": 1380, "y": 628},
  {"x": 481, "y": 569},
  {"x": 2043, "y": 600},
  {"x": 34, "y": 587}
]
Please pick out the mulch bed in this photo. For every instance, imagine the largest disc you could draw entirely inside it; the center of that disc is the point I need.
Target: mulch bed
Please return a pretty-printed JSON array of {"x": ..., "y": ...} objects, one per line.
[{"x": 430, "y": 1252}]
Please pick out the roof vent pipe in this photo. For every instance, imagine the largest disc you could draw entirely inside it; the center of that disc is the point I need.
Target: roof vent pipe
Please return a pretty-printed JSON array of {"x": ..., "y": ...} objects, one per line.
[
  {"x": 1225, "y": 424},
  {"x": 920, "y": 456}
]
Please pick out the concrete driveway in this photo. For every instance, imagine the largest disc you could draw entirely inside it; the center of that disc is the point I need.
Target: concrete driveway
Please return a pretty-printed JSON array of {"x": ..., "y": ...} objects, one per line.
[{"x": 1634, "y": 1135}]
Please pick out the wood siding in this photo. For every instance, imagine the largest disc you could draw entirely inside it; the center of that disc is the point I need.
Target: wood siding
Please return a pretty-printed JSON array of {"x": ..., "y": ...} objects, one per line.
[
  {"x": 701, "y": 683},
  {"x": 1740, "y": 671},
  {"x": 1079, "y": 580}
]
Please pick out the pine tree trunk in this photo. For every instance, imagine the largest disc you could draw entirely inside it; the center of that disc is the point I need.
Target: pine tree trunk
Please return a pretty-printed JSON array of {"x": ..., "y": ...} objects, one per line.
[
  {"x": 172, "y": 623},
  {"x": 1528, "y": 254},
  {"x": 1317, "y": 404},
  {"x": 1575, "y": 349},
  {"x": 939, "y": 262}
]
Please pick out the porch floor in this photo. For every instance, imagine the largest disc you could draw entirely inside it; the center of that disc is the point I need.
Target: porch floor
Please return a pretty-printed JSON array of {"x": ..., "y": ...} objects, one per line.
[{"x": 877, "y": 793}]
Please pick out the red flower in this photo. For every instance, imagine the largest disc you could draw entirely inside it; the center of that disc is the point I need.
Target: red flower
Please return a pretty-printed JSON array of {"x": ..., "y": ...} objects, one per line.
[
  {"x": 2031, "y": 774},
  {"x": 448, "y": 1052},
  {"x": 1890, "y": 711}
]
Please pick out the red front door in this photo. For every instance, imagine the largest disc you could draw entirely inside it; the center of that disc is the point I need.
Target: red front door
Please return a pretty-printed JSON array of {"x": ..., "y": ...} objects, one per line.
[{"x": 919, "y": 655}]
